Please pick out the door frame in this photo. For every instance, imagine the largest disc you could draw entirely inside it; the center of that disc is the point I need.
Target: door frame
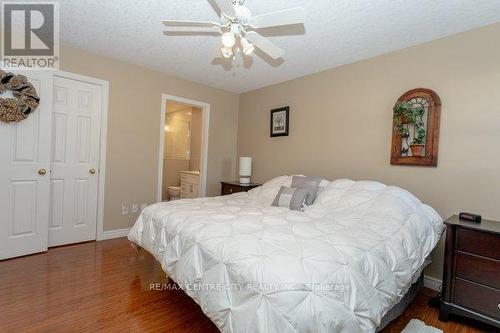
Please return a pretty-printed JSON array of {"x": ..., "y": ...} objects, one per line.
[
  {"x": 103, "y": 139},
  {"x": 205, "y": 108}
]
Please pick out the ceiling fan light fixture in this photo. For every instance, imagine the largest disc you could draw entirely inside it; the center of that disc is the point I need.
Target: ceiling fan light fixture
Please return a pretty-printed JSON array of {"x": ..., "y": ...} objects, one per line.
[
  {"x": 247, "y": 47},
  {"x": 239, "y": 30},
  {"x": 228, "y": 39},
  {"x": 226, "y": 52}
]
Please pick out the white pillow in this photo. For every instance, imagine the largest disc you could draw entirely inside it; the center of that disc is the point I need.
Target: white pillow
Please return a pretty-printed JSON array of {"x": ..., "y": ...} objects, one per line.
[
  {"x": 322, "y": 185},
  {"x": 348, "y": 190},
  {"x": 268, "y": 191},
  {"x": 333, "y": 191}
]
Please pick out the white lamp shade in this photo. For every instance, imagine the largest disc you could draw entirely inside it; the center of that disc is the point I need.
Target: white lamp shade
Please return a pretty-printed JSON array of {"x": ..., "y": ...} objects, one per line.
[
  {"x": 228, "y": 40},
  {"x": 248, "y": 47},
  {"x": 245, "y": 166}
]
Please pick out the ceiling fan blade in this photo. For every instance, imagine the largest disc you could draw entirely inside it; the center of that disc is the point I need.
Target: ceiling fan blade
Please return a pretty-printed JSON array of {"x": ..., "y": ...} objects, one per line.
[
  {"x": 226, "y": 7},
  {"x": 282, "y": 17},
  {"x": 265, "y": 45},
  {"x": 193, "y": 30},
  {"x": 176, "y": 23}
]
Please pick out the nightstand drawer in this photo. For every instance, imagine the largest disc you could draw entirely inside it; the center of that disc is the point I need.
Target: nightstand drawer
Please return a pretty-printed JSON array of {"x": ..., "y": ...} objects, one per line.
[
  {"x": 478, "y": 269},
  {"x": 230, "y": 189},
  {"x": 474, "y": 296},
  {"x": 480, "y": 243}
]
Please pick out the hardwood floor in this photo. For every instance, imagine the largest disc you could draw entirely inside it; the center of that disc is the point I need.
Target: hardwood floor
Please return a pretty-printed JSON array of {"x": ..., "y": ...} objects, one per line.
[{"x": 105, "y": 287}]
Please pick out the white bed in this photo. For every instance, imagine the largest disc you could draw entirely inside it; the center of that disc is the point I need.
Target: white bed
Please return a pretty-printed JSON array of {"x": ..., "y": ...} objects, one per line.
[{"x": 338, "y": 266}]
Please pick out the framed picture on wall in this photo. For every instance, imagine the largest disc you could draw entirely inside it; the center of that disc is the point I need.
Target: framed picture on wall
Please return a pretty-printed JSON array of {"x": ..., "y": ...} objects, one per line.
[{"x": 280, "y": 121}]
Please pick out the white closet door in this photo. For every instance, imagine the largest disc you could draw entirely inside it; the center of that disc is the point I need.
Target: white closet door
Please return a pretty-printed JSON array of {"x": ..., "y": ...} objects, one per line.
[
  {"x": 76, "y": 120},
  {"x": 24, "y": 186}
]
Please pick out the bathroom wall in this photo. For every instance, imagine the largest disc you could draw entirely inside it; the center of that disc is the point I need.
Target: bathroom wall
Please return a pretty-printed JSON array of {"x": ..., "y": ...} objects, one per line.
[
  {"x": 173, "y": 161},
  {"x": 177, "y": 134}
]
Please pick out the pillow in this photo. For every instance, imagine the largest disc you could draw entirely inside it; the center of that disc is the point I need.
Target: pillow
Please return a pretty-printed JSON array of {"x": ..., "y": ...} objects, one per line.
[
  {"x": 293, "y": 198},
  {"x": 309, "y": 184},
  {"x": 267, "y": 192},
  {"x": 334, "y": 191}
]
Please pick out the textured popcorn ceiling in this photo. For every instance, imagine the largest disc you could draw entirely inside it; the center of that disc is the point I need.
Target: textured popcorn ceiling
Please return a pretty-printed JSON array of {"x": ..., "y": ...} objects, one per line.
[{"x": 337, "y": 32}]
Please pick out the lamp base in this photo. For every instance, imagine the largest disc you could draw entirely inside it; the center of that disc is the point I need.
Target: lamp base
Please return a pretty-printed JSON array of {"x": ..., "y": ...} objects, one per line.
[{"x": 244, "y": 179}]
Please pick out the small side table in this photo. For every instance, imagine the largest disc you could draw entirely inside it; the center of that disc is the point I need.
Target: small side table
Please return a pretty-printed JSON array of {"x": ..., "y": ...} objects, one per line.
[
  {"x": 230, "y": 187},
  {"x": 471, "y": 284}
]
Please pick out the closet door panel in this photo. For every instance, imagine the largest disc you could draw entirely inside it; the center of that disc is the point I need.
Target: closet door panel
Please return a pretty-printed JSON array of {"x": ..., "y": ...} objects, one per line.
[
  {"x": 75, "y": 160},
  {"x": 25, "y": 176}
]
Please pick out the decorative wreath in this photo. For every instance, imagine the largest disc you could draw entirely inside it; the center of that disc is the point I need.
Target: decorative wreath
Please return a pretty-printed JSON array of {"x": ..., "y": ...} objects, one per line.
[{"x": 26, "y": 98}]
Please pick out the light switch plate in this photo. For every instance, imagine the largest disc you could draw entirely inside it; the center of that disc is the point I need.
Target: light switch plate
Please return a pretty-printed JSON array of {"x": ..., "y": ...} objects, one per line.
[{"x": 125, "y": 208}]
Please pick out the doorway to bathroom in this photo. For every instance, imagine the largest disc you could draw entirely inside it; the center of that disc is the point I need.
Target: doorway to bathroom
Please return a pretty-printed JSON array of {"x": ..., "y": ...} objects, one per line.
[{"x": 183, "y": 148}]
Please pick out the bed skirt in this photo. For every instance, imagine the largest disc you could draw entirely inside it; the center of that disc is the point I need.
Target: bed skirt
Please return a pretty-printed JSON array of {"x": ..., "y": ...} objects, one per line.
[{"x": 400, "y": 307}]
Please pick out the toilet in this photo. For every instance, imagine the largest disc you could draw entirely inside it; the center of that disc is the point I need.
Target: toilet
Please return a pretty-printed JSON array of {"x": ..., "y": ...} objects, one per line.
[{"x": 174, "y": 192}]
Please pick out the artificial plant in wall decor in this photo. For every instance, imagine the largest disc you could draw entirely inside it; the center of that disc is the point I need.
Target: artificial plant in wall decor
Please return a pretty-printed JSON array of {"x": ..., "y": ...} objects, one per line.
[{"x": 415, "y": 136}]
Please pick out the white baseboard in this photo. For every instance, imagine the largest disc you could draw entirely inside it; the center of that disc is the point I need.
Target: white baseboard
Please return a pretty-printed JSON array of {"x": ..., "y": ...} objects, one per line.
[
  {"x": 432, "y": 283},
  {"x": 110, "y": 234}
]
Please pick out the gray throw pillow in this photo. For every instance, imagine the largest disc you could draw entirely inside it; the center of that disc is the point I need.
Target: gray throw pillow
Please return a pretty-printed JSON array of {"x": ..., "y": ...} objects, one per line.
[
  {"x": 310, "y": 184},
  {"x": 290, "y": 197}
]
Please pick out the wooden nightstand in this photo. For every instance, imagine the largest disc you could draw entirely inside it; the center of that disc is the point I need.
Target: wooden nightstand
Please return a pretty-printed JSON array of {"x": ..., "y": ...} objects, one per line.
[
  {"x": 235, "y": 187},
  {"x": 471, "y": 277}
]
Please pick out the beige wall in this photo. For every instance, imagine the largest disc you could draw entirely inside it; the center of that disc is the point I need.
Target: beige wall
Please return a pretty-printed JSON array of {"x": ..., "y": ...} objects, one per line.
[
  {"x": 133, "y": 129},
  {"x": 341, "y": 119}
]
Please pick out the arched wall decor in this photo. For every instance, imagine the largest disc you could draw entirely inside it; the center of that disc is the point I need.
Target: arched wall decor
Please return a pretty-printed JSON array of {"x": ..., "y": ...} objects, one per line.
[{"x": 416, "y": 122}]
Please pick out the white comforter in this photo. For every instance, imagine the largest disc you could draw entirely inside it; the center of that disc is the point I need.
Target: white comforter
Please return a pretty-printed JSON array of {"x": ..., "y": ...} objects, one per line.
[{"x": 338, "y": 266}]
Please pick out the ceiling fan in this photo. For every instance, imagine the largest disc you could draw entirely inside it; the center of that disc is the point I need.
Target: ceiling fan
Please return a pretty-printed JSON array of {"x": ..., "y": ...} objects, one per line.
[{"x": 238, "y": 25}]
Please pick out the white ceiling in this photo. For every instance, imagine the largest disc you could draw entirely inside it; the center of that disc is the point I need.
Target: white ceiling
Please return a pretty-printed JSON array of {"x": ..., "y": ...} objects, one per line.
[{"x": 337, "y": 32}]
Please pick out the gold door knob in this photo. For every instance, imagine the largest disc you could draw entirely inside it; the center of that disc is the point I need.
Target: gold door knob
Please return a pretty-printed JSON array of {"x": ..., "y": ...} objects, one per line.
[
  {"x": 92, "y": 171},
  {"x": 42, "y": 172}
]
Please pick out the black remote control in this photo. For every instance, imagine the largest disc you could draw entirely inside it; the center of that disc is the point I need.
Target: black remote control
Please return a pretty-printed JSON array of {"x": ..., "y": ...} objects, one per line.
[{"x": 470, "y": 217}]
